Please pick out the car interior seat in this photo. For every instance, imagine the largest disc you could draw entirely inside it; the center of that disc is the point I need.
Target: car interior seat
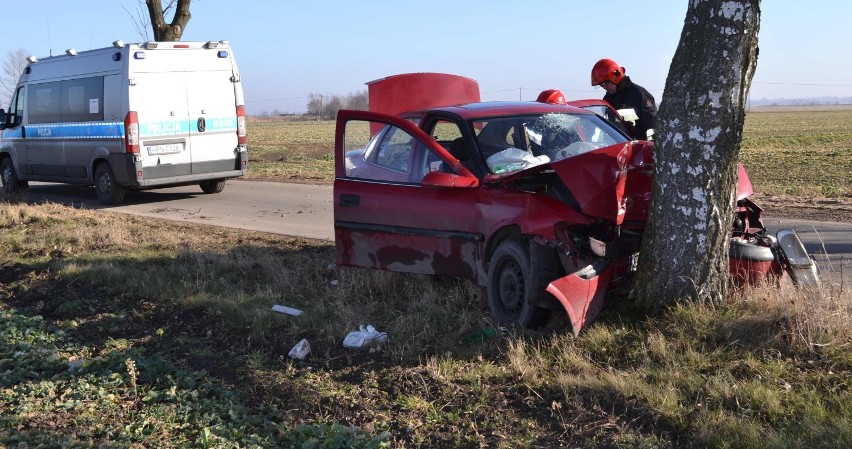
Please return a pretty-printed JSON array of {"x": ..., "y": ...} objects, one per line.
[{"x": 458, "y": 149}]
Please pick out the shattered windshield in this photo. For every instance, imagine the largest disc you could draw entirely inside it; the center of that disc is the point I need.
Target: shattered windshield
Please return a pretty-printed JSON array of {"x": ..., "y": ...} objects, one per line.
[{"x": 518, "y": 142}]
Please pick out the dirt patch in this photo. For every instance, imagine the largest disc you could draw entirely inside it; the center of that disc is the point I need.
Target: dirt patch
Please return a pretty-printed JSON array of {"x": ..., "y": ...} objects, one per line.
[{"x": 837, "y": 210}]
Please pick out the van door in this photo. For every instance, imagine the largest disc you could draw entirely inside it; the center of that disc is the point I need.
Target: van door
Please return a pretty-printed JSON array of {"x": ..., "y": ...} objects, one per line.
[
  {"x": 213, "y": 120},
  {"x": 43, "y": 131},
  {"x": 12, "y": 138},
  {"x": 159, "y": 98}
]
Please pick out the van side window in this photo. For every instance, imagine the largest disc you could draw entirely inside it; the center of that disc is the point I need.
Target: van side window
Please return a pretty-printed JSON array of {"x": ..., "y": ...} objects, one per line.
[
  {"x": 43, "y": 102},
  {"x": 80, "y": 100},
  {"x": 16, "y": 108}
]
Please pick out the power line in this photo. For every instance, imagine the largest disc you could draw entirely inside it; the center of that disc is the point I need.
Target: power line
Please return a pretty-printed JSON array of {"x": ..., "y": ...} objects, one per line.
[{"x": 802, "y": 84}]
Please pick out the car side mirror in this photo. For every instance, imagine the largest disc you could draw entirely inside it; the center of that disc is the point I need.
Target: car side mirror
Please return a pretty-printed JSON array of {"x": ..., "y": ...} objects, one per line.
[
  {"x": 444, "y": 180},
  {"x": 3, "y": 119}
]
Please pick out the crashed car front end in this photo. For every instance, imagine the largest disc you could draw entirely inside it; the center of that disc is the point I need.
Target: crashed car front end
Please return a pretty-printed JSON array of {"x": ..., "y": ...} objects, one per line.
[{"x": 611, "y": 187}]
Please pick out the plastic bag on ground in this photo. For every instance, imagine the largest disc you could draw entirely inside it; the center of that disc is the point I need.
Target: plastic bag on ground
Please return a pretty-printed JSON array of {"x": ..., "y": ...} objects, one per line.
[
  {"x": 365, "y": 338},
  {"x": 301, "y": 350}
]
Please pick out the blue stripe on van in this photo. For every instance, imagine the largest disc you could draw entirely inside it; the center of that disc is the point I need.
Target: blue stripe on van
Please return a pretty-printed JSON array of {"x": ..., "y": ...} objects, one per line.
[
  {"x": 221, "y": 124},
  {"x": 13, "y": 133},
  {"x": 164, "y": 128},
  {"x": 115, "y": 130},
  {"x": 110, "y": 130},
  {"x": 182, "y": 127}
]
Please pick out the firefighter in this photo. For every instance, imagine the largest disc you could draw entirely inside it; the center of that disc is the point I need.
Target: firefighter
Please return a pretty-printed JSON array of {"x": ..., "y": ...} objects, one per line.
[
  {"x": 635, "y": 104},
  {"x": 551, "y": 96}
]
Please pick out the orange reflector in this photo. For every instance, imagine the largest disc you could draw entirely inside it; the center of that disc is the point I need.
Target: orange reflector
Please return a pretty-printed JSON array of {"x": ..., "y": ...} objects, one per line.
[
  {"x": 181, "y": 46},
  {"x": 139, "y": 174}
]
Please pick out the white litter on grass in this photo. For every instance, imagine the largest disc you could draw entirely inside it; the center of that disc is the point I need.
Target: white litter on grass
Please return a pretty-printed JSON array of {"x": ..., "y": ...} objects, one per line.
[
  {"x": 301, "y": 350},
  {"x": 365, "y": 338},
  {"x": 334, "y": 282},
  {"x": 288, "y": 310},
  {"x": 77, "y": 364}
]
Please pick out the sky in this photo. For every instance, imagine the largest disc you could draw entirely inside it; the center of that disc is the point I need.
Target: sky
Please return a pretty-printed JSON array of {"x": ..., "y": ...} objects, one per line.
[{"x": 289, "y": 49}]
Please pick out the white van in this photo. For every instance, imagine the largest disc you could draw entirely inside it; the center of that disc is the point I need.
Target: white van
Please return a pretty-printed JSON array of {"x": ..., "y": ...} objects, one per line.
[{"x": 133, "y": 116}]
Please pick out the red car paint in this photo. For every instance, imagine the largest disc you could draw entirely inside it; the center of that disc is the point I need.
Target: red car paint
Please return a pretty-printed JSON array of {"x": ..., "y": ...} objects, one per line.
[{"x": 570, "y": 227}]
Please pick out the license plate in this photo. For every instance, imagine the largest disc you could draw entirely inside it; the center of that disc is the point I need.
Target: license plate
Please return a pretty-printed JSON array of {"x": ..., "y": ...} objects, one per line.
[{"x": 168, "y": 148}]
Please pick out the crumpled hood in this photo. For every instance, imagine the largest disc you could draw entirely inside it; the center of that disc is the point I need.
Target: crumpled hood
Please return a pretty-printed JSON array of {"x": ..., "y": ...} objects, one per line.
[{"x": 612, "y": 183}]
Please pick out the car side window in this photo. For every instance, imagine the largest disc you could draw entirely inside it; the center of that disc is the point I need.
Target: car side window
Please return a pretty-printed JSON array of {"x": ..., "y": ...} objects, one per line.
[
  {"x": 394, "y": 150},
  {"x": 377, "y": 154},
  {"x": 448, "y": 135}
]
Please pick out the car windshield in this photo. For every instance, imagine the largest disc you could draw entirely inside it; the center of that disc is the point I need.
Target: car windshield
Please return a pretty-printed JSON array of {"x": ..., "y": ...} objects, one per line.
[{"x": 517, "y": 142}]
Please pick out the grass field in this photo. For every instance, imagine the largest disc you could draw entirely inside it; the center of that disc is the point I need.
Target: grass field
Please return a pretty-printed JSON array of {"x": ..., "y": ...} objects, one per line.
[
  {"x": 790, "y": 151},
  {"x": 799, "y": 152},
  {"x": 112, "y": 340},
  {"x": 127, "y": 332}
]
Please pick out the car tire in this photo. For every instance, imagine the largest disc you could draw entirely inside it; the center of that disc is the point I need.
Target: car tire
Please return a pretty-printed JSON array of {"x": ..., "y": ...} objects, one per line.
[
  {"x": 108, "y": 190},
  {"x": 514, "y": 290},
  {"x": 212, "y": 186},
  {"x": 9, "y": 178}
]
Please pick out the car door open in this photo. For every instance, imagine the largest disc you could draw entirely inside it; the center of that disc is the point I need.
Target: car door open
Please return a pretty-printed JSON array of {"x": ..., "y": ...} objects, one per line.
[{"x": 401, "y": 201}]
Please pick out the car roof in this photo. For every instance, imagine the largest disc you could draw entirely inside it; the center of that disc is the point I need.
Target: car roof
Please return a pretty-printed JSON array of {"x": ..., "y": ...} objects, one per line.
[{"x": 499, "y": 108}]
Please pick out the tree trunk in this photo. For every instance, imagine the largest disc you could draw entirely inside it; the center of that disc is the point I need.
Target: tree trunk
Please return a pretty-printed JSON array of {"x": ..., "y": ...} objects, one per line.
[
  {"x": 168, "y": 31},
  {"x": 684, "y": 253}
]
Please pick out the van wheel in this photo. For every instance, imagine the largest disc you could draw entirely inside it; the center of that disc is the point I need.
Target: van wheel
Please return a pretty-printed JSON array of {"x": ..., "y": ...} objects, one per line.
[
  {"x": 9, "y": 178},
  {"x": 212, "y": 186},
  {"x": 514, "y": 289},
  {"x": 109, "y": 192}
]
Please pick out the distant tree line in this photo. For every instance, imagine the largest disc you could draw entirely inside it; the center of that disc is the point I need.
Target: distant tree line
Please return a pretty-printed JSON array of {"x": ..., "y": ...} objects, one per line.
[{"x": 325, "y": 106}]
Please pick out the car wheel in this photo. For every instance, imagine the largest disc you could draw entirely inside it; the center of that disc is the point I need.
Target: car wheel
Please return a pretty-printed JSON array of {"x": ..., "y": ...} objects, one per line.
[
  {"x": 109, "y": 192},
  {"x": 514, "y": 290},
  {"x": 212, "y": 186},
  {"x": 9, "y": 178}
]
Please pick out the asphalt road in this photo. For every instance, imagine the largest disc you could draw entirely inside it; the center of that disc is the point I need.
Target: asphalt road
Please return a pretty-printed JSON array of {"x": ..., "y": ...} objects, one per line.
[
  {"x": 307, "y": 211},
  {"x": 292, "y": 209}
]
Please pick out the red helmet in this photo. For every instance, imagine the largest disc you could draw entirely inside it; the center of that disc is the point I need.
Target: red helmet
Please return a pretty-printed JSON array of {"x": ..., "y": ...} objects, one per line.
[
  {"x": 551, "y": 96},
  {"x": 607, "y": 70}
]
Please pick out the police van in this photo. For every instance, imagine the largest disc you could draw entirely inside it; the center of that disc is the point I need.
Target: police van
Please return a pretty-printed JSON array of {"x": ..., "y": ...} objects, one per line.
[{"x": 127, "y": 117}]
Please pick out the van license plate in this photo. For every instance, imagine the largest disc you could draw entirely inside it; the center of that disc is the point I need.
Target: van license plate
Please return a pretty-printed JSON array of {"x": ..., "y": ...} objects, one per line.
[{"x": 170, "y": 148}]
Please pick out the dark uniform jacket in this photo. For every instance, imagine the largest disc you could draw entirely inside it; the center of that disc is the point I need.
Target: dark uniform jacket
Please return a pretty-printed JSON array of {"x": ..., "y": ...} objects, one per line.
[{"x": 633, "y": 96}]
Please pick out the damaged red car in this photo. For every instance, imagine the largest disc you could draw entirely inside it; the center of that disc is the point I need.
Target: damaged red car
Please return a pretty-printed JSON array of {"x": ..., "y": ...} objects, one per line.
[{"x": 542, "y": 204}]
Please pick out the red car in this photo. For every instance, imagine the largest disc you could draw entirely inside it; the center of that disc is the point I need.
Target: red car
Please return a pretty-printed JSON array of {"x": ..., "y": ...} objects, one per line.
[{"x": 542, "y": 204}]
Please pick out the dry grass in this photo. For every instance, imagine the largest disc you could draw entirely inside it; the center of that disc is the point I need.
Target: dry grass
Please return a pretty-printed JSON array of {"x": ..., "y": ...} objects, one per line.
[
  {"x": 762, "y": 370},
  {"x": 765, "y": 369}
]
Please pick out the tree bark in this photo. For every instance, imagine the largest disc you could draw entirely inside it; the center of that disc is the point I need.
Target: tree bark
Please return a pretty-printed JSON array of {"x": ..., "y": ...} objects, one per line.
[
  {"x": 168, "y": 31},
  {"x": 684, "y": 253}
]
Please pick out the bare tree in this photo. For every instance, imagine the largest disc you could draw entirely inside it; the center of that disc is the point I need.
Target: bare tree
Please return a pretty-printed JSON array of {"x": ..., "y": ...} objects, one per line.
[
  {"x": 158, "y": 11},
  {"x": 685, "y": 248},
  {"x": 315, "y": 105},
  {"x": 359, "y": 101},
  {"x": 141, "y": 20},
  {"x": 13, "y": 65},
  {"x": 330, "y": 108}
]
